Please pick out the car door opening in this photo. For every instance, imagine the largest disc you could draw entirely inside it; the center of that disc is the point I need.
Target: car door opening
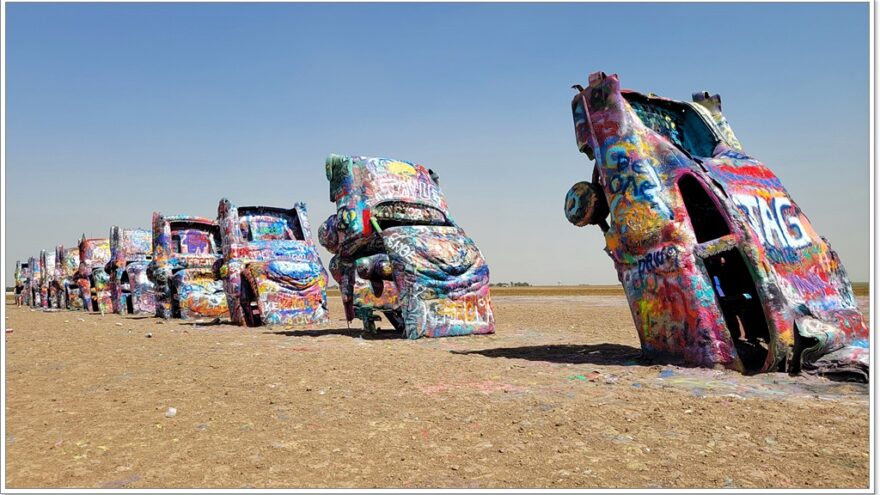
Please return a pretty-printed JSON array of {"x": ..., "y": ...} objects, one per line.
[{"x": 739, "y": 302}]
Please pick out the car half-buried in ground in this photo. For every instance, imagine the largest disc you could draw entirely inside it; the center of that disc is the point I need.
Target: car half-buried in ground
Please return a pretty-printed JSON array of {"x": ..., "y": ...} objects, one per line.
[
  {"x": 397, "y": 250},
  {"x": 67, "y": 264},
  {"x": 48, "y": 296},
  {"x": 33, "y": 281},
  {"x": 184, "y": 251},
  {"x": 90, "y": 277},
  {"x": 130, "y": 290},
  {"x": 271, "y": 269},
  {"x": 719, "y": 265}
]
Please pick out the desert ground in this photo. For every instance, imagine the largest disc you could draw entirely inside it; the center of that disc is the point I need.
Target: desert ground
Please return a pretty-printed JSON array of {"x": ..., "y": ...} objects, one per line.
[{"x": 557, "y": 398}]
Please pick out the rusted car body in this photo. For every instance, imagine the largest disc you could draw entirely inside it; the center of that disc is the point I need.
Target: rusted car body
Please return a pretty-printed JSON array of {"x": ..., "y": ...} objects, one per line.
[
  {"x": 48, "y": 295},
  {"x": 67, "y": 266},
  {"x": 90, "y": 278},
  {"x": 184, "y": 251},
  {"x": 720, "y": 266},
  {"x": 131, "y": 291},
  {"x": 397, "y": 250},
  {"x": 271, "y": 269}
]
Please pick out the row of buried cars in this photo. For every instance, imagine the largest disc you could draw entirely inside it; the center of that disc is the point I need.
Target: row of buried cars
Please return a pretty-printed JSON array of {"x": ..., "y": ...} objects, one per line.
[
  {"x": 719, "y": 265},
  {"x": 397, "y": 251}
]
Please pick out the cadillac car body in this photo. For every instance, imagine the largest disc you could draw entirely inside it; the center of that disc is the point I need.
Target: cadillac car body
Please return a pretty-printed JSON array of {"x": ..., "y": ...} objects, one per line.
[
  {"x": 397, "y": 250},
  {"x": 184, "y": 251},
  {"x": 271, "y": 269},
  {"x": 131, "y": 291},
  {"x": 48, "y": 295},
  {"x": 33, "y": 283},
  {"x": 67, "y": 263},
  {"x": 90, "y": 278},
  {"x": 719, "y": 265}
]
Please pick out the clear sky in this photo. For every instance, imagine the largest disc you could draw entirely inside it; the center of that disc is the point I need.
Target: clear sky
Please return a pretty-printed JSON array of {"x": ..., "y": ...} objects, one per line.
[{"x": 117, "y": 110}]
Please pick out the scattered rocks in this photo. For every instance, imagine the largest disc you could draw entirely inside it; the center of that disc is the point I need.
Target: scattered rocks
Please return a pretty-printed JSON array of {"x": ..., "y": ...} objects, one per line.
[
  {"x": 149, "y": 335},
  {"x": 171, "y": 412}
]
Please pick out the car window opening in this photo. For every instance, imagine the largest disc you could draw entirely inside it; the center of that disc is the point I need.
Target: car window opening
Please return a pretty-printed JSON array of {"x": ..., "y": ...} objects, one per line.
[{"x": 706, "y": 219}]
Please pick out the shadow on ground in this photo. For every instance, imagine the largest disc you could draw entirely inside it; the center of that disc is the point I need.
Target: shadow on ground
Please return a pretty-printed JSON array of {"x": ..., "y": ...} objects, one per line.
[
  {"x": 355, "y": 333},
  {"x": 614, "y": 354}
]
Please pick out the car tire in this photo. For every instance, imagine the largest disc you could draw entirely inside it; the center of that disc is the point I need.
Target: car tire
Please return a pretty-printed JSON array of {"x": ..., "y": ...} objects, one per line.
[{"x": 585, "y": 204}]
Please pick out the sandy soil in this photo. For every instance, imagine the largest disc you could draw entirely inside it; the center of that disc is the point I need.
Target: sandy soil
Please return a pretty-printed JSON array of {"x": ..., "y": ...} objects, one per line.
[{"x": 557, "y": 398}]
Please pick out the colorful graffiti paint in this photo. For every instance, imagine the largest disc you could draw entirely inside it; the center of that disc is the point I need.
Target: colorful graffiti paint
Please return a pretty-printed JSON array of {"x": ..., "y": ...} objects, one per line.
[
  {"x": 185, "y": 249},
  {"x": 33, "y": 282},
  {"x": 719, "y": 264},
  {"x": 48, "y": 296},
  {"x": 67, "y": 266},
  {"x": 131, "y": 291},
  {"x": 397, "y": 250},
  {"x": 271, "y": 269},
  {"x": 90, "y": 278}
]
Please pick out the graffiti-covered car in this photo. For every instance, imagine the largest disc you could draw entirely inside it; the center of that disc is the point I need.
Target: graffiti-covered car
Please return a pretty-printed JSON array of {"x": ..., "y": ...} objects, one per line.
[
  {"x": 90, "y": 278},
  {"x": 184, "y": 251},
  {"x": 719, "y": 265},
  {"x": 131, "y": 291},
  {"x": 397, "y": 250},
  {"x": 271, "y": 269},
  {"x": 48, "y": 294},
  {"x": 56, "y": 287},
  {"x": 33, "y": 282},
  {"x": 67, "y": 264}
]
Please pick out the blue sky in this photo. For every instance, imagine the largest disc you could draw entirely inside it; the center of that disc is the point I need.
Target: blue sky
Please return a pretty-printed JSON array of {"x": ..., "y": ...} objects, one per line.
[{"x": 117, "y": 110}]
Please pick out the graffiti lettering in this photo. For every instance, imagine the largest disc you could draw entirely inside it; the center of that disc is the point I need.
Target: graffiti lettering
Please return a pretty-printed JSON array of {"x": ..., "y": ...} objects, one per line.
[
  {"x": 655, "y": 260},
  {"x": 775, "y": 223}
]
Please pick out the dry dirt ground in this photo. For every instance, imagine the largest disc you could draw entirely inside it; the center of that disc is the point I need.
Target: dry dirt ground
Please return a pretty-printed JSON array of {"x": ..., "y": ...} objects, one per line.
[{"x": 556, "y": 398}]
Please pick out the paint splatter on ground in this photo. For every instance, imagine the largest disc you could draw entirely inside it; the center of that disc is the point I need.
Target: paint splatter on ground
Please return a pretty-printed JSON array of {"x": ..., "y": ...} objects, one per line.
[{"x": 558, "y": 397}]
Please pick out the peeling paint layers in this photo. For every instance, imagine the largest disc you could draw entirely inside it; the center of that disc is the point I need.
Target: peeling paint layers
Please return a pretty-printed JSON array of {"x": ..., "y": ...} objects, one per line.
[
  {"x": 719, "y": 264},
  {"x": 271, "y": 269},
  {"x": 397, "y": 250},
  {"x": 185, "y": 249},
  {"x": 130, "y": 289}
]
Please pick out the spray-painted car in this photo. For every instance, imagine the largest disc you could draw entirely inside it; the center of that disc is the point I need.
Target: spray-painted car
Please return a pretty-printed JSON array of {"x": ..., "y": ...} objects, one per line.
[
  {"x": 185, "y": 249},
  {"x": 90, "y": 278},
  {"x": 397, "y": 250},
  {"x": 131, "y": 291},
  {"x": 719, "y": 265},
  {"x": 271, "y": 269},
  {"x": 48, "y": 295},
  {"x": 33, "y": 282},
  {"x": 67, "y": 266},
  {"x": 56, "y": 287}
]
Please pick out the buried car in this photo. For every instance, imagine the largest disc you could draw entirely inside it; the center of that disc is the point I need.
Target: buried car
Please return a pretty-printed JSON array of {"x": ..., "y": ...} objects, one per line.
[
  {"x": 33, "y": 282},
  {"x": 131, "y": 291},
  {"x": 90, "y": 278},
  {"x": 719, "y": 265},
  {"x": 270, "y": 268},
  {"x": 67, "y": 265},
  {"x": 48, "y": 293},
  {"x": 397, "y": 250},
  {"x": 184, "y": 251}
]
